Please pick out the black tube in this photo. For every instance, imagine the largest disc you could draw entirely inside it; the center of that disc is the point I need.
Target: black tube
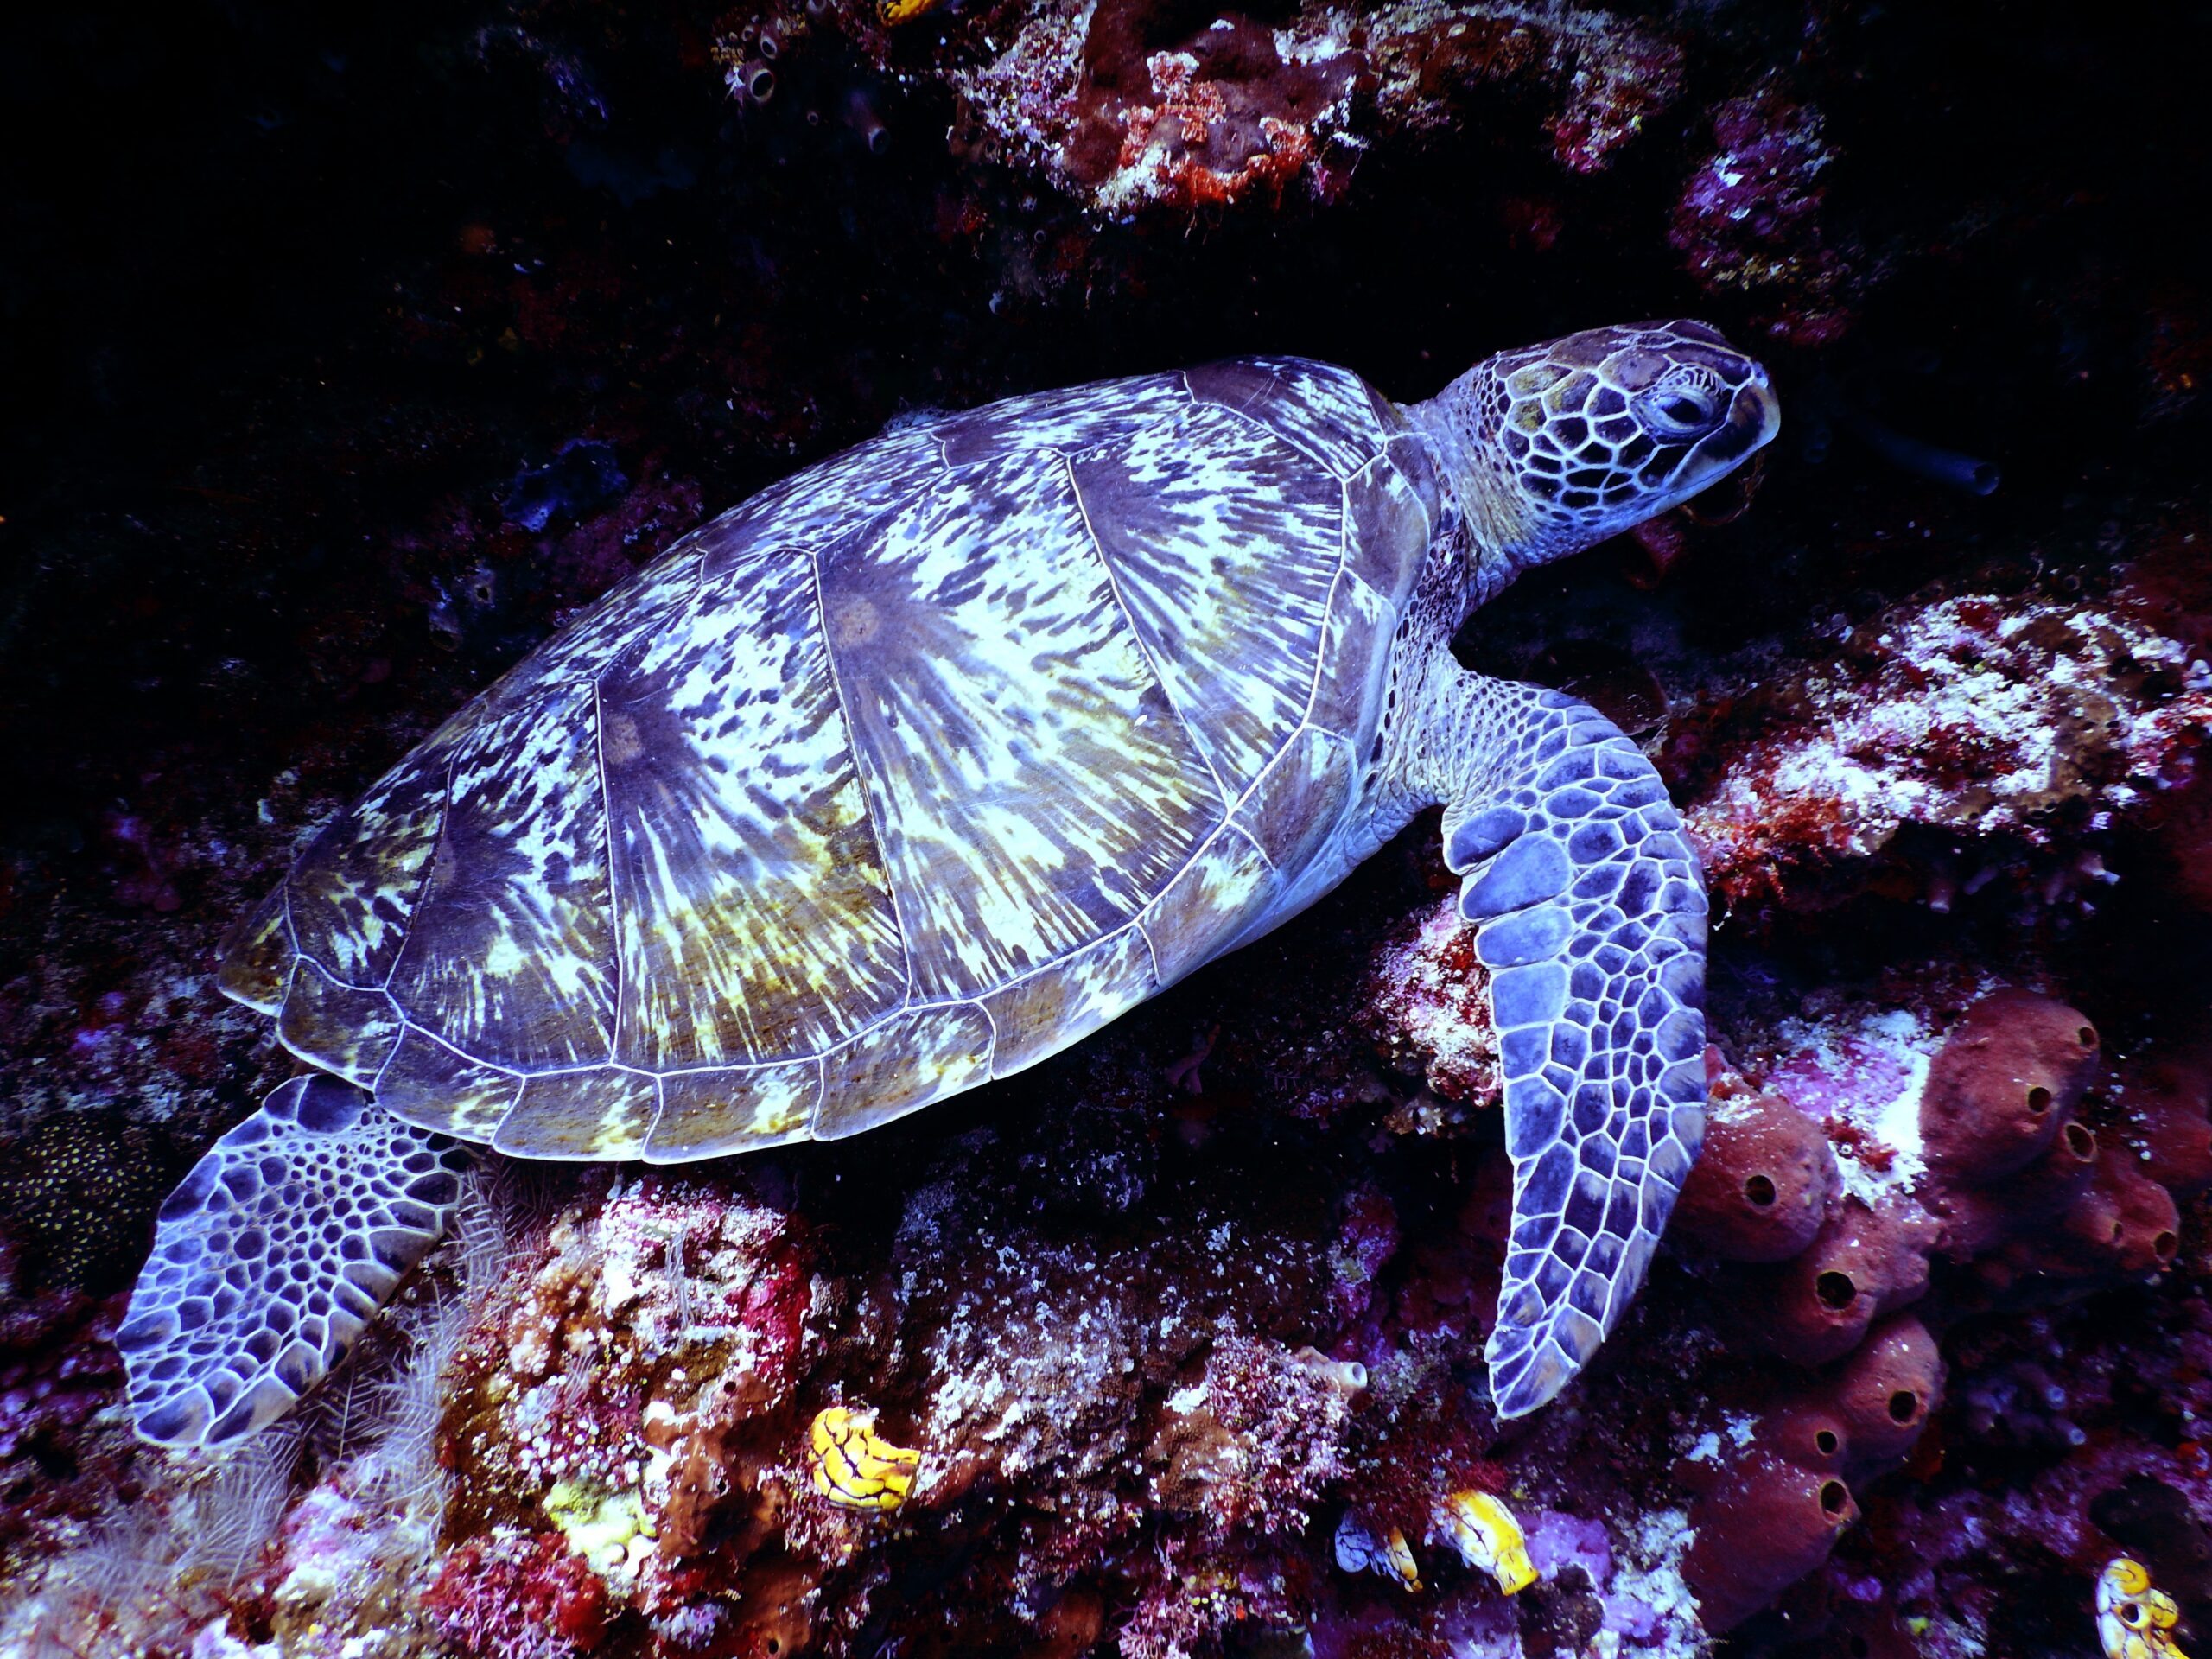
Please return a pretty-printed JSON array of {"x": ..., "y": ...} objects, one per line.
[{"x": 1944, "y": 466}]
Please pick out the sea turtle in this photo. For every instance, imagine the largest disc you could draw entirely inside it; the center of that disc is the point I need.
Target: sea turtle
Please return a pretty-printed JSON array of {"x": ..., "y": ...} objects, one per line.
[{"x": 919, "y": 766}]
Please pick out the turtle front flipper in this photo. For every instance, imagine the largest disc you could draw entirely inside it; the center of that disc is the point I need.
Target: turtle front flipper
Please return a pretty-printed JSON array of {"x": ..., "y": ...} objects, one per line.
[
  {"x": 272, "y": 1255},
  {"x": 1594, "y": 931}
]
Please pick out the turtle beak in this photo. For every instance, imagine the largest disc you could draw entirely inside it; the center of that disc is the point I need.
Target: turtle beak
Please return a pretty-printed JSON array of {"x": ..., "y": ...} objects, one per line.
[{"x": 1754, "y": 417}]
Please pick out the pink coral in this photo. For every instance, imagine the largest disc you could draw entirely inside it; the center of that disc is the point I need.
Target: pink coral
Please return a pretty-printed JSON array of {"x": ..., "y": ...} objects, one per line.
[
  {"x": 519, "y": 1596},
  {"x": 1980, "y": 715},
  {"x": 1750, "y": 217}
]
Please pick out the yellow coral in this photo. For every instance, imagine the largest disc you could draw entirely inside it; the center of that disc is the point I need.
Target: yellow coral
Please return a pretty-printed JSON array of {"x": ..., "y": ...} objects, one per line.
[
  {"x": 1398, "y": 1560},
  {"x": 2133, "y": 1620},
  {"x": 903, "y": 11},
  {"x": 609, "y": 1530},
  {"x": 856, "y": 1469},
  {"x": 1487, "y": 1536}
]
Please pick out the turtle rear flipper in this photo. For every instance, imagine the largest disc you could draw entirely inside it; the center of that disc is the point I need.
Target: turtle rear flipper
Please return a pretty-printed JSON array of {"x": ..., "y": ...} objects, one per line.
[
  {"x": 1594, "y": 936},
  {"x": 273, "y": 1255}
]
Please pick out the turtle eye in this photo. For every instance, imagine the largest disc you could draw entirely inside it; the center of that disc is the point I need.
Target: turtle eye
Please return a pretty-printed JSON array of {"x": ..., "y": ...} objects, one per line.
[{"x": 1678, "y": 412}]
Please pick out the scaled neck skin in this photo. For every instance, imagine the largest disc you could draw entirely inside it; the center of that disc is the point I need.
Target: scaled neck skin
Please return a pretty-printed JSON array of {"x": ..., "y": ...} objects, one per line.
[
  {"x": 1488, "y": 535},
  {"x": 1502, "y": 532}
]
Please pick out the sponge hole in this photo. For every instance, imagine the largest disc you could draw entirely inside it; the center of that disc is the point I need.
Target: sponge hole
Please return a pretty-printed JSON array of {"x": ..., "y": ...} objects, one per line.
[
  {"x": 1835, "y": 1290},
  {"x": 1904, "y": 1405},
  {"x": 2038, "y": 1100},
  {"x": 1759, "y": 1190},
  {"x": 1835, "y": 1496}
]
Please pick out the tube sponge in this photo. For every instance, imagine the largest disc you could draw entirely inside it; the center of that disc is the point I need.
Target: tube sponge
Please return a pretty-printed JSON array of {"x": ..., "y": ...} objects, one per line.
[
  {"x": 1766, "y": 1519},
  {"x": 1806, "y": 1433},
  {"x": 2006, "y": 1077},
  {"x": 1864, "y": 1262},
  {"x": 2126, "y": 1221},
  {"x": 1761, "y": 1188},
  {"x": 1762, "y": 1524},
  {"x": 1885, "y": 1392},
  {"x": 2171, "y": 1107},
  {"x": 1977, "y": 1219}
]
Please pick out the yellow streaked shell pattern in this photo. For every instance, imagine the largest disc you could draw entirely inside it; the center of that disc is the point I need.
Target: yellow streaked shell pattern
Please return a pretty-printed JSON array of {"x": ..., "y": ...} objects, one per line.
[{"x": 905, "y": 774}]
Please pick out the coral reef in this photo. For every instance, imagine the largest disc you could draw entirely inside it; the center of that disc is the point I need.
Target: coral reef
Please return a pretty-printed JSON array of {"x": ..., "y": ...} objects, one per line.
[
  {"x": 2011, "y": 1192},
  {"x": 1128, "y": 108},
  {"x": 1971, "y": 713},
  {"x": 512, "y": 1596},
  {"x": 455, "y": 315},
  {"x": 1749, "y": 219}
]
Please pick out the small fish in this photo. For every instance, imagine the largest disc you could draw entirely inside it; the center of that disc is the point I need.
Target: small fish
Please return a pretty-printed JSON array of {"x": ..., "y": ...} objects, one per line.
[
  {"x": 1487, "y": 1536},
  {"x": 2133, "y": 1620},
  {"x": 854, "y": 1467}
]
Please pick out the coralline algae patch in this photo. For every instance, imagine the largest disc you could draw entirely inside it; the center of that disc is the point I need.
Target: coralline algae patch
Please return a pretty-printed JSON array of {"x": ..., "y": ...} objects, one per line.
[
  {"x": 1860, "y": 1071},
  {"x": 1427, "y": 1004},
  {"x": 1975, "y": 714},
  {"x": 608, "y": 1388}
]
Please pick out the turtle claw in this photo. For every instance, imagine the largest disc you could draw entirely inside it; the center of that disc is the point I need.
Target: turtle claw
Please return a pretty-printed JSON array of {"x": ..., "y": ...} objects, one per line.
[
  {"x": 1534, "y": 868},
  {"x": 1481, "y": 837}
]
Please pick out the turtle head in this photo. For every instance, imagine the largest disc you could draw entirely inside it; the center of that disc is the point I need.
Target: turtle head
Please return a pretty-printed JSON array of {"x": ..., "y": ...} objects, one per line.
[{"x": 1556, "y": 447}]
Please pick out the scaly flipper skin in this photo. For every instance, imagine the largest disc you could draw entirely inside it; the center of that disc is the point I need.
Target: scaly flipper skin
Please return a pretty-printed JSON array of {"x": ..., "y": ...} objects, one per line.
[
  {"x": 273, "y": 1255},
  {"x": 1593, "y": 932}
]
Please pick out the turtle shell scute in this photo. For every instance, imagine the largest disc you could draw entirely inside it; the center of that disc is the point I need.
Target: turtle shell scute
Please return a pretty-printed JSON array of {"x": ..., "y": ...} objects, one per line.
[{"x": 1326, "y": 413}]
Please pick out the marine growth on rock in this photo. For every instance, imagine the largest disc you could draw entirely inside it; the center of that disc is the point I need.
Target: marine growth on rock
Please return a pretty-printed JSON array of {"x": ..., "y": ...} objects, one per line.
[{"x": 369, "y": 367}]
